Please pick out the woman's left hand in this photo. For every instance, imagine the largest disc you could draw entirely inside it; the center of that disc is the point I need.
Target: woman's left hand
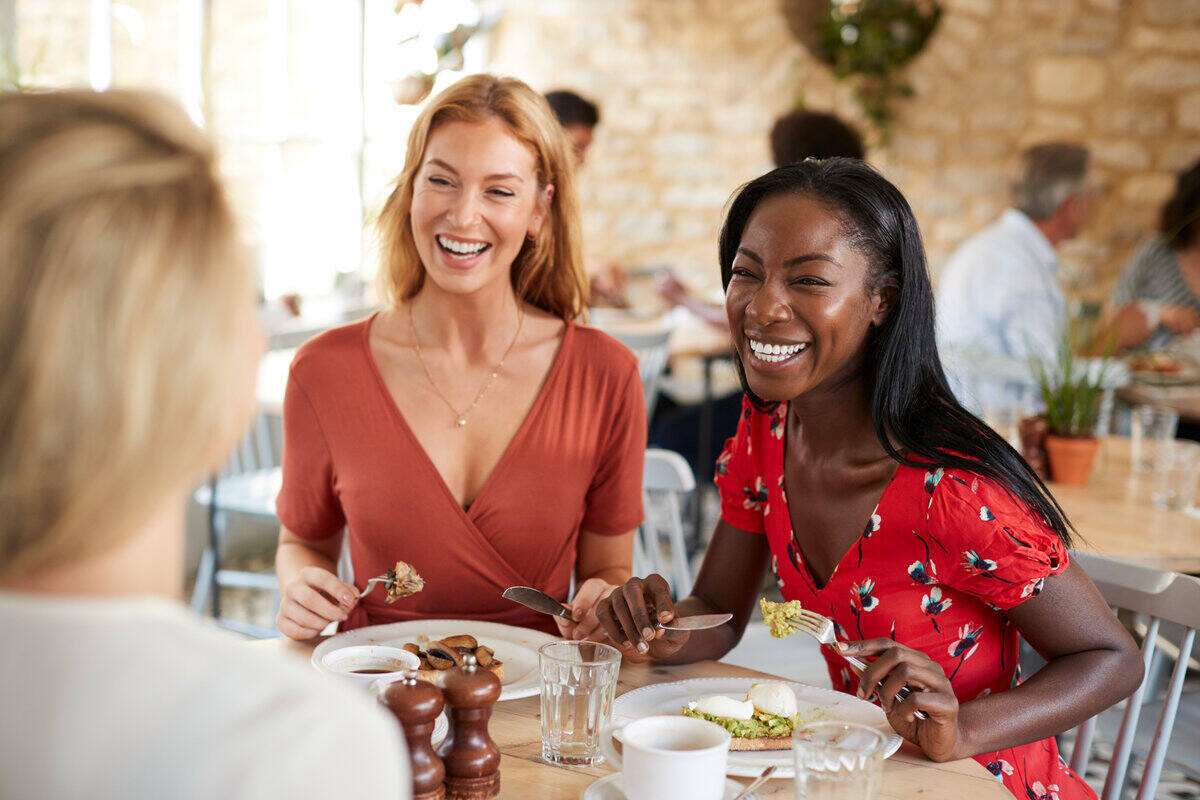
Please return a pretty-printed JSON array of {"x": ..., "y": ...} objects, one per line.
[
  {"x": 583, "y": 609},
  {"x": 896, "y": 666}
]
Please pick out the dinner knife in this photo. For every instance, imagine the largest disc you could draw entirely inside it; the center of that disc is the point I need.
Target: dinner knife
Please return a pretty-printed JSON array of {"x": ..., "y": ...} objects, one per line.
[{"x": 540, "y": 601}]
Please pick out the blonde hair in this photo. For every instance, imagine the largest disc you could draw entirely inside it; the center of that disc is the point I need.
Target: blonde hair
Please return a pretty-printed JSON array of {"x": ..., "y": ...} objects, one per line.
[
  {"x": 547, "y": 272},
  {"x": 119, "y": 279}
]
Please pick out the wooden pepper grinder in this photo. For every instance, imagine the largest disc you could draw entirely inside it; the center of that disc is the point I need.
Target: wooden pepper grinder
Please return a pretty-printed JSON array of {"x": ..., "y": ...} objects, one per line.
[
  {"x": 472, "y": 759},
  {"x": 416, "y": 704}
]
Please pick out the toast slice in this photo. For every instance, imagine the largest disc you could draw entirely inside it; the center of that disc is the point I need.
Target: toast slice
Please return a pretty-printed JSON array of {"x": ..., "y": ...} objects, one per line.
[{"x": 761, "y": 743}]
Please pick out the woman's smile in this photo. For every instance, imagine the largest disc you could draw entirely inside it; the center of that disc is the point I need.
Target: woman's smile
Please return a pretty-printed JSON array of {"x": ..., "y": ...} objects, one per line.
[
  {"x": 771, "y": 356},
  {"x": 461, "y": 253}
]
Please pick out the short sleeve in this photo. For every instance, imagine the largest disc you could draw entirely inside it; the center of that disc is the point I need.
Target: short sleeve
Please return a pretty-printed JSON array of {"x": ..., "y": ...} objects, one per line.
[
  {"x": 614, "y": 498},
  {"x": 987, "y": 543},
  {"x": 307, "y": 504},
  {"x": 737, "y": 479}
]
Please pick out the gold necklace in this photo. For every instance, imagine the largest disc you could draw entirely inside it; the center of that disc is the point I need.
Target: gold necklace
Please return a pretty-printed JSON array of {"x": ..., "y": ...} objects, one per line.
[{"x": 460, "y": 418}]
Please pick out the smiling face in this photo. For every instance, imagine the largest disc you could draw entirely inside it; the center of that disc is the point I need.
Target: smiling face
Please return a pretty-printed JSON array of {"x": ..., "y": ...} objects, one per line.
[
  {"x": 475, "y": 199},
  {"x": 798, "y": 304}
]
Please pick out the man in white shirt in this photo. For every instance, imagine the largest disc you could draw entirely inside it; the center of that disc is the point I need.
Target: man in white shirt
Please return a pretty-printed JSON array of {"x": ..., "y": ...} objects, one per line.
[{"x": 999, "y": 295}]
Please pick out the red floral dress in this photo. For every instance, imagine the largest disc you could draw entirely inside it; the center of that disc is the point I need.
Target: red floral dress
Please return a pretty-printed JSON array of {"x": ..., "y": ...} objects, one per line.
[{"x": 943, "y": 556}]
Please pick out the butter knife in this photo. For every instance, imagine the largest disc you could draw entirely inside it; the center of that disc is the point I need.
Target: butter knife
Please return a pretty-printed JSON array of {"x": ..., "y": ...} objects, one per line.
[{"x": 540, "y": 601}]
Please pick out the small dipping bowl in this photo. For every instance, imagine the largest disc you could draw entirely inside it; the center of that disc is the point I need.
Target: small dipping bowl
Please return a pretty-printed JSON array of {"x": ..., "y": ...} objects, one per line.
[{"x": 365, "y": 664}]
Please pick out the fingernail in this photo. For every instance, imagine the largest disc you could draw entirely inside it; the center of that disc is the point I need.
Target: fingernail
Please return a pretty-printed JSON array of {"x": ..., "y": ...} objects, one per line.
[
  {"x": 842, "y": 646},
  {"x": 348, "y": 599},
  {"x": 858, "y": 692},
  {"x": 643, "y": 647},
  {"x": 647, "y": 633},
  {"x": 664, "y": 615}
]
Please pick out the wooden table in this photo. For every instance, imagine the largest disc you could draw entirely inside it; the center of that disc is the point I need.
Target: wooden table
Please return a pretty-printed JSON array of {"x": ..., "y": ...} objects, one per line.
[
  {"x": 1114, "y": 515},
  {"x": 516, "y": 727}
]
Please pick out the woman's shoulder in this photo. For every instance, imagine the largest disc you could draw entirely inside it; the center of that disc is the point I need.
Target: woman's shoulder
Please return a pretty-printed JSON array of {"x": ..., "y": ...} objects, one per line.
[
  {"x": 600, "y": 350},
  {"x": 330, "y": 350}
]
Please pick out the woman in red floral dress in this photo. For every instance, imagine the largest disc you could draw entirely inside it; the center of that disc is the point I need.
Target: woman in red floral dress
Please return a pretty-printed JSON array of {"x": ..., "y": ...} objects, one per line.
[{"x": 876, "y": 500}]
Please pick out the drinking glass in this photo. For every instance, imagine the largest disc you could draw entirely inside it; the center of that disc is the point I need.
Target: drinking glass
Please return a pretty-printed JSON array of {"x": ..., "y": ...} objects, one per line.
[
  {"x": 579, "y": 681},
  {"x": 838, "y": 761},
  {"x": 1152, "y": 428},
  {"x": 1176, "y": 473}
]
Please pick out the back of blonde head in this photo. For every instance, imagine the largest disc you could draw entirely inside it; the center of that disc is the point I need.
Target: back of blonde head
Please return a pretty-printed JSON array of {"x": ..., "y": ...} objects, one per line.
[
  {"x": 122, "y": 298},
  {"x": 548, "y": 272}
]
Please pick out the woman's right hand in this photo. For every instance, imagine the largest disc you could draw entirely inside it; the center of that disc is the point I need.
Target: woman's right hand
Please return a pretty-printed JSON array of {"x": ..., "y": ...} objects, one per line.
[
  {"x": 312, "y": 600},
  {"x": 628, "y": 615}
]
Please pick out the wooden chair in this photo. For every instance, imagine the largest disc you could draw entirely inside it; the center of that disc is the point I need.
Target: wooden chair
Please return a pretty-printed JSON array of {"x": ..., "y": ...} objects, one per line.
[
  {"x": 1160, "y": 596},
  {"x": 666, "y": 480},
  {"x": 246, "y": 486}
]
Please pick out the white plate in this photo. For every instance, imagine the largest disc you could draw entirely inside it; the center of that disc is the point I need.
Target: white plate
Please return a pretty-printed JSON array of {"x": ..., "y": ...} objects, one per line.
[
  {"x": 669, "y": 698},
  {"x": 609, "y": 788},
  {"x": 516, "y": 647}
]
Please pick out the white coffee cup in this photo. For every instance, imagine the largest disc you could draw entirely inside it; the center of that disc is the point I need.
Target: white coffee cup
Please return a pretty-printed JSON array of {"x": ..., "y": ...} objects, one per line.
[{"x": 669, "y": 757}]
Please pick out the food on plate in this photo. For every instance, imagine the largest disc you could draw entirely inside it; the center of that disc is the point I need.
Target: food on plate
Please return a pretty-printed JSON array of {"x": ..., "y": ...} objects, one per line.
[
  {"x": 441, "y": 655},
  {"x": 781, "y": 618},
  {"x": 765, "y": 720},
  {"x": 1161, "y": 363},
  {"x": 403, "y": 580}
]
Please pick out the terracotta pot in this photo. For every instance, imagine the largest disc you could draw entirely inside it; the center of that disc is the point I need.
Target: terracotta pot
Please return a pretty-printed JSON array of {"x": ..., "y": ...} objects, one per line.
[{"x": 1071, "y": 458}]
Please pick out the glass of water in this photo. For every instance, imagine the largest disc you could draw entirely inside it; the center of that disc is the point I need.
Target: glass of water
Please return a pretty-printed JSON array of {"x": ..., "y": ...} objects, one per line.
[
  {"x": 1152, "y": 428},
  {"x": 1176, "y": 474},
  {"x": 838, "y": 761},
  {"x": 579, "y": 681}
]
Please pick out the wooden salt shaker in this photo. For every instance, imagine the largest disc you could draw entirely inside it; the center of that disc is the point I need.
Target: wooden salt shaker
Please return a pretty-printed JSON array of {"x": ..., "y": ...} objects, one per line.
[
  {"x": 472, "y": 759},
  {"x": 416, "y": 704}
]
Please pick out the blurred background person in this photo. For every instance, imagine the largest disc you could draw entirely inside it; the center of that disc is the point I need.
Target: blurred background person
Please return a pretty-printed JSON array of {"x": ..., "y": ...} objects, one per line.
[
  {"x": 999, "y": 293},
  {"x": 1157, "y": 297},
  {"x": 130, "y": 347},
  {"x": 795, "y": 136}
]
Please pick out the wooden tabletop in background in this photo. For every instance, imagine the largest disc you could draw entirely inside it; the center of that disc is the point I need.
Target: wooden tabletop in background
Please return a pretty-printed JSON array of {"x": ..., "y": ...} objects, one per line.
[{"x": 516, "y": 728}]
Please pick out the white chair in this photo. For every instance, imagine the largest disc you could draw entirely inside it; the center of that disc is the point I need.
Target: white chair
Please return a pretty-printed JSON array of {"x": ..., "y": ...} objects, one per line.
[
  {"x": 650, "y": 347},
  {"x": 666, "y": 479},
  {"x": 246, "y": 486},
  {"x": 1161, "y": 596}
]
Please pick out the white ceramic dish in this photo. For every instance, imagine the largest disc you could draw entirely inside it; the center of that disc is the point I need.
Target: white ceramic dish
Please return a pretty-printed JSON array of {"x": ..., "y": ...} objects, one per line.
[
  {"x": 609, "y": 788},
  {"x": 516, "y": 647},
  {"x": 814, "y": 702},
  {"x": 343, "y": 661}
]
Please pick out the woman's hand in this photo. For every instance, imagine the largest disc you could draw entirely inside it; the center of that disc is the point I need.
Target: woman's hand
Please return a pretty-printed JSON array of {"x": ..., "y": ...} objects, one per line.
[
  {"x": 583, "y": 610},
  {"x": 897, "y": 666},
  {"x": 627, "y": 616},
  {"x": 312, "y": 600}
]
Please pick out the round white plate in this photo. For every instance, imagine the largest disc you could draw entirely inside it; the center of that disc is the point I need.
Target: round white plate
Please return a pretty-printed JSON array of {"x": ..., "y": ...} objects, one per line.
[
  {"x": 516, "y": 647},
  {"x": 815, "y": 703},
  {"x": 609, "y": 788}
]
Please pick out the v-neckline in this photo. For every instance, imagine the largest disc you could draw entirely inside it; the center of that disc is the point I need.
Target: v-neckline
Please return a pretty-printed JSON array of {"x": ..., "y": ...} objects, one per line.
[
  {"x": 534, "y": 410},
  {"x": 863, "y": 534}
]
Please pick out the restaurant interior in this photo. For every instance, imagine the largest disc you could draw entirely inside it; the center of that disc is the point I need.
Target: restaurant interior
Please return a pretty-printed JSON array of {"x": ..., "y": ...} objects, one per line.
[{"x": 309, "y": 105}]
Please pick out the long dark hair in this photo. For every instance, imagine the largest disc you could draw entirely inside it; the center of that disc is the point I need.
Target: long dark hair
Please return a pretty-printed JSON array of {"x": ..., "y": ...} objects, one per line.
[{"x": 917, "y": 418}]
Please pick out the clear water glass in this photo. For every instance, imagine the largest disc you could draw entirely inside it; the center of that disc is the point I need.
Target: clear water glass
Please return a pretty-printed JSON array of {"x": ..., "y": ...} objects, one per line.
[
  {"x": 579, "y": 681},
  {"x": 838, "y": 761},
  {"x": 1152, "y": 428},
  {"x": 1176, "y": 474}
]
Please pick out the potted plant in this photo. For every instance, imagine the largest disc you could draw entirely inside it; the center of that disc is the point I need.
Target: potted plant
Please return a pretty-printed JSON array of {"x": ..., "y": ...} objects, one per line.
[{"x": 1071, "y": 389}]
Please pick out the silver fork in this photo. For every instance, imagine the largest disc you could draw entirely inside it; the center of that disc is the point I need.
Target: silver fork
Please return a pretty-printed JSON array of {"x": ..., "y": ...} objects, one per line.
[
  {"x": 384, "y": 579},
  {"x": 821, "y": 629}
]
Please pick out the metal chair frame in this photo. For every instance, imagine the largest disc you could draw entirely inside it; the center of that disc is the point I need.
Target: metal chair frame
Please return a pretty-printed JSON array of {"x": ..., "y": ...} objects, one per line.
[
  {"x": 1162, "y": 596},
  {"x": 651, "y": 349}
]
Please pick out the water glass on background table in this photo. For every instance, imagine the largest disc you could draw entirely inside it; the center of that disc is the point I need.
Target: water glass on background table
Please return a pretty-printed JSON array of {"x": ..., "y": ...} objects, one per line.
[
  {"x": 1176, "y": 473},
  {"x": 579, "y": 681},
  {"x": 1152, "y": 428},
  {"x": 838, "y": 761}
]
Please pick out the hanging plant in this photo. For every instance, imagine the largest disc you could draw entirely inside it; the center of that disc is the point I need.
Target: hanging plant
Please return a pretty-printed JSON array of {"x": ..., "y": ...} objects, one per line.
[{"x": 866, "y": 40}]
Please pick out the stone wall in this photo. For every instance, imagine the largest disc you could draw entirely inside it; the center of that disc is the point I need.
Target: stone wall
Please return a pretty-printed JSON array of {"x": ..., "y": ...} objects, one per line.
[{"x": 688, "y": 89}]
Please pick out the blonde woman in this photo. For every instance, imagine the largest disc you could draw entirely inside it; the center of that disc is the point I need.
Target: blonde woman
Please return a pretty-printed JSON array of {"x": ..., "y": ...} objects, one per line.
[
  {"x": 129, "y": 345},
  {"x": 471, "y": 428}
]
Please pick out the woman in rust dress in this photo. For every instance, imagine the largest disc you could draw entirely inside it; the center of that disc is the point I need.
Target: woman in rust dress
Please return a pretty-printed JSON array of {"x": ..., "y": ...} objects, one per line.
[
  {"x": 876, "y": 500},
  {"x": 470, "y": 429}
]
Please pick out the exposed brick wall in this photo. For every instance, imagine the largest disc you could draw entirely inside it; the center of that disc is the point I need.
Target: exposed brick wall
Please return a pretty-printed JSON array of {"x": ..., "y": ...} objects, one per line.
[{"x": 688, "y": 89}]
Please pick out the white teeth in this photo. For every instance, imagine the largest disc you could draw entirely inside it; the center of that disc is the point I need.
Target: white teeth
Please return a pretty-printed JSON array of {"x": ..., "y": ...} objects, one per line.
[
  {"x": 774, "y": 353},
  {"x": 461, "y": 248}
]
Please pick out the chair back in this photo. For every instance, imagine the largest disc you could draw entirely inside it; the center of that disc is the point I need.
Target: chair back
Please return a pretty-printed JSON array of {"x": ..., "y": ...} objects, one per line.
[
  {"x": 254, "y": 452},
  {"x": 660, "y": 545},
  {"x": 650, "y": 347},
  {"x": 1160, "y": 596}
]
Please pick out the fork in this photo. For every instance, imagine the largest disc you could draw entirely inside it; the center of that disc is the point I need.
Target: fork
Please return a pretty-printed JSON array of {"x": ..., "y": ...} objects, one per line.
[
  {"x": 384, "y": 579},
  {"x": 821, "y": 629}
]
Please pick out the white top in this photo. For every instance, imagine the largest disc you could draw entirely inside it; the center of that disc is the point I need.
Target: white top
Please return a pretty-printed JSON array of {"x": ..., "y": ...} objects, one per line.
[
  {"x": 136, "y": 698},
  {"x": 999, "y": 296}
]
